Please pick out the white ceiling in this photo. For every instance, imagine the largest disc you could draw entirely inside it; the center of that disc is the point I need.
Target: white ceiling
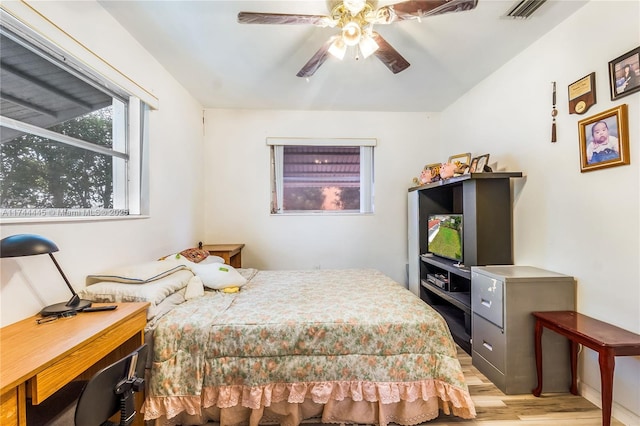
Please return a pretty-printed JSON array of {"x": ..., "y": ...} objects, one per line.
[{"x": 229, "y": 65}]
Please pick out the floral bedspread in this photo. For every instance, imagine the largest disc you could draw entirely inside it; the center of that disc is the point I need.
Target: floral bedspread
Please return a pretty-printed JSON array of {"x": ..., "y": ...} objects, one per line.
[{"x": 291, "y": 335}]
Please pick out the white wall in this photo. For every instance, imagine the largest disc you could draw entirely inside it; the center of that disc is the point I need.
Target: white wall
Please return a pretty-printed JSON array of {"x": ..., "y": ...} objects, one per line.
[
  {"x": 238, "y": 189},
  {"x": 176, "y": 219},
  {"x": 585, "y": 225},
  {"x": 580, "y": 224}
]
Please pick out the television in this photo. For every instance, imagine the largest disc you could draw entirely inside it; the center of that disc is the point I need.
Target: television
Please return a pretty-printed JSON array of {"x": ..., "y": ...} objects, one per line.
[{"x": 445, "y": 236}]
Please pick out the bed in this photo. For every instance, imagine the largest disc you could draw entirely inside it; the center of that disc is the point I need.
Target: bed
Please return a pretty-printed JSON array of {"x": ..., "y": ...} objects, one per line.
[{"x": 337, "y": 346}]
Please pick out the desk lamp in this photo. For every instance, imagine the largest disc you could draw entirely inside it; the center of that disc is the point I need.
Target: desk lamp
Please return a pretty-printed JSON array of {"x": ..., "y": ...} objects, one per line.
[{"x": 30, "y": 245}]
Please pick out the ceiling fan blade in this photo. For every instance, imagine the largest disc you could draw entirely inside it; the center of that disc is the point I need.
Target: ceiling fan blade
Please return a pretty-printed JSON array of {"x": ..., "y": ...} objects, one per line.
[
  {"x": 316, "y": 60},
  {"x": 389, "y": 56},
  {"x": 283, "y": 19},
  {"x": 421, "y": 9}
]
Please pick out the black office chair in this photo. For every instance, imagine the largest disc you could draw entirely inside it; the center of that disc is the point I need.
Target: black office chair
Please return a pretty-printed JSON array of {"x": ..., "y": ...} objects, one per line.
[{"x": 111, "y": 390}]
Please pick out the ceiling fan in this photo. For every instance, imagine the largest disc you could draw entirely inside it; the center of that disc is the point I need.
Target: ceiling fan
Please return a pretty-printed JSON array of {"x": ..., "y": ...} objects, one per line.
[{"x": 356, "y": 19}]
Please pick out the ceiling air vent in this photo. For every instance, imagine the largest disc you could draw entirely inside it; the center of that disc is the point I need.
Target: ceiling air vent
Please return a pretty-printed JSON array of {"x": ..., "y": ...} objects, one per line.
[{"x": 523, "y": 9}]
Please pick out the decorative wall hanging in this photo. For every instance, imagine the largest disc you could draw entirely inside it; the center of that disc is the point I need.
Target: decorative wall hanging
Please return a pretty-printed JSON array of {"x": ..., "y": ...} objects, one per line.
[
  {"x": 582, "y": 94},
  {"x": 624, "y": 74},
  {"x": 604, "y": 139},
  {"x": 554, "y": 113}
]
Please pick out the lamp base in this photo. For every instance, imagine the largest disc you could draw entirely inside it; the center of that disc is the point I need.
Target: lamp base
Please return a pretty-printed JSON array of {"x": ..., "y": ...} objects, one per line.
[{"x": 62, "y": 307}]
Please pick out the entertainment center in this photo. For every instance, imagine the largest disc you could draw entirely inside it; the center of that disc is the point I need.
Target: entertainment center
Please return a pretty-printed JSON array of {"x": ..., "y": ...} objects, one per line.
[{"x": 483, "y": 201}]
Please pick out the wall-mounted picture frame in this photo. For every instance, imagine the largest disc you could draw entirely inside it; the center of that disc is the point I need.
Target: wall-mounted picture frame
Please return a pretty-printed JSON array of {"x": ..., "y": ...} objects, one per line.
[
  {"x": 582, "y": 94},
  {"x": 604, "y": 139},
  {"x": 480, "y": 161},
  {"x": 460, "y": 158},
  {"x": 624, "y": 74}
]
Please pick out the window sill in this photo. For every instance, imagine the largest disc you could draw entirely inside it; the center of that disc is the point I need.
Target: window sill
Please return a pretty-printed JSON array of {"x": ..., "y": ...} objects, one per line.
[
  {"x": 63, "y": 219},
  {"x": 324, "y": 213}
]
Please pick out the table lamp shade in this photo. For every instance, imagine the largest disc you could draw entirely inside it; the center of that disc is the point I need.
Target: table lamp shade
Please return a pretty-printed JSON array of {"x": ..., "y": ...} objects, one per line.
[
  {"x": 30, "y": 245},
  {"x": 26, "y": 245}
]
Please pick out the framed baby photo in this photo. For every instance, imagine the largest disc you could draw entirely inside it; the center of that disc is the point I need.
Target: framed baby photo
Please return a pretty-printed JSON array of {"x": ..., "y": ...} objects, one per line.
[
  {"x": 604, "y": 139},
  {"x": 624, "y": 74}
]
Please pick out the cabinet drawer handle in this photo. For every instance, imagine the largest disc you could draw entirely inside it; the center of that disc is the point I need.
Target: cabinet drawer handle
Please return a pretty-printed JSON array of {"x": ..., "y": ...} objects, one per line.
[
  {"x": 487, "y": 345},
  {"x": 485, "y": 302}
]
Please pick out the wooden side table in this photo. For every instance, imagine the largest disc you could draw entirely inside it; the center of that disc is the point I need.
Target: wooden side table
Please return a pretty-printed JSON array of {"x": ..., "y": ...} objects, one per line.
[
  {"x": 606, "y": 339},
  {"x": 231, "y": 253}
]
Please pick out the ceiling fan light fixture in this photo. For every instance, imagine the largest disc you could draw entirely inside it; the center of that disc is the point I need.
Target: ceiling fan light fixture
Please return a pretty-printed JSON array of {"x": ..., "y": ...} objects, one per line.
[
  {"x": 354, "y": 6},
  {"x": 351, "y": 33},
  {"x": 368, "y": 46},
  {"x": 338, "y": 49}
]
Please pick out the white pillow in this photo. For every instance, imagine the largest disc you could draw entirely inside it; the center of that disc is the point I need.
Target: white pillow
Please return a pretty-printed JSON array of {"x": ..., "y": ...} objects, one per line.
[
  {"x": 154, "y": 292},
  {"x": 218, "y": 275},
  {"x": 177, "y": 257},
  {"x": 195, "y": 288},
  {"x": 211, "y": 259},
  {"x": 139, "y": 273}
]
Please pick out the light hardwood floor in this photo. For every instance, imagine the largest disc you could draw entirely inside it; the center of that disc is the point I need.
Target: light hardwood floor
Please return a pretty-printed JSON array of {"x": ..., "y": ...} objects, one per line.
[{"x": 494, "y": 408}]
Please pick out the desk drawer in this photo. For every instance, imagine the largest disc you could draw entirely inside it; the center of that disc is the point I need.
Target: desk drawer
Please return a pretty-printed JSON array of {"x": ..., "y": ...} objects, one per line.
[
  {"x": 48, "y": 381},
  {"x": 9, "y": 408},
  {"x": 489, "y": 341},
  {"x": 487, "y": 298}
]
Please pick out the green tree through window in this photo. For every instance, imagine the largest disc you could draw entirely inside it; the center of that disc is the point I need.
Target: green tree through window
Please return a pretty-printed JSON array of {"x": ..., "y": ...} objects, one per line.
[{"x": 38, "y": 173}]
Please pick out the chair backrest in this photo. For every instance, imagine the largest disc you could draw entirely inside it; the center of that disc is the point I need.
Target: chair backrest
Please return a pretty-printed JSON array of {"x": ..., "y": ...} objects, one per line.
[{"x": 98, "y": 400}]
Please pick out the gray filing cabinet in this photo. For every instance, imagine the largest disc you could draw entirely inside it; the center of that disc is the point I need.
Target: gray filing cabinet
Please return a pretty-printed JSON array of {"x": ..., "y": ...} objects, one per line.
[{"x": 502, "y": 299}]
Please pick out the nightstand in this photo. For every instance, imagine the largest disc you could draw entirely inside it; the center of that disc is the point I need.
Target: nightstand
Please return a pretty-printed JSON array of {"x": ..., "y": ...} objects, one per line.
[{"x": 231, "y": 253}]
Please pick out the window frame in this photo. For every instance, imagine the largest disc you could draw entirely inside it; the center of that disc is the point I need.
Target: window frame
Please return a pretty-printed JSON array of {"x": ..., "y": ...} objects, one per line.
[
  {"x": 130, "y": 125},
  {"x": 366, "y": 145}
]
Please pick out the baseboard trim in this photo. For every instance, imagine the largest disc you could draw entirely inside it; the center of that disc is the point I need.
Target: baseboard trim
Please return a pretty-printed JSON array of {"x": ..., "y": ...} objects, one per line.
[{"x": 620, "y": 413}]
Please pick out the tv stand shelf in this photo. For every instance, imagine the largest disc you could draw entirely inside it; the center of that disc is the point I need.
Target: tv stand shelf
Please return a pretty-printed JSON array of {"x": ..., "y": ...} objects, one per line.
[
  {"x": 453, "y": 301},
  {"x": 484, "y": 201},
  {"x": 460, "y": 299},
  {"x": 448, "y": 265}
]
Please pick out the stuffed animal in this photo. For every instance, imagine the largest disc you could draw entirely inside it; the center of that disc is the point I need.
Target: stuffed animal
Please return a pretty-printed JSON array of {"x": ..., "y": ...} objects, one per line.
[
  {"x": 425, "y": 176},
  {"x": 430, "y": 173},
  {"x": 447, "y": 170}
]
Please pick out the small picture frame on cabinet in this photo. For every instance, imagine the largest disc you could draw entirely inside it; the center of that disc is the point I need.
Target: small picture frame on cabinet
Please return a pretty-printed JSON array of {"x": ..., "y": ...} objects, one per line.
[
  {"x": 480, "y": 161},
  {"x": 474, "y": 164},
  {"x": 460, "y": 159}
]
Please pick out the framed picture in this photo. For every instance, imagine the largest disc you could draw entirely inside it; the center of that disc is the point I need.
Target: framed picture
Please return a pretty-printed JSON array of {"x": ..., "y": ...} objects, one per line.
[
  {"x": 624, "y": 74},
  {"x": 481, "y": 161},
  {"x": 604, "y": 139},
  {"x": 473, "y": 166},
  {"x": 582, "y": 94},
  {"x": 460, "y": 158}
]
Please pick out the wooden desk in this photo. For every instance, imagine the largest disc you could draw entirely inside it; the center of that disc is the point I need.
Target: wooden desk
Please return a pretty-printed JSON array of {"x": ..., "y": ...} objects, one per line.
[
  {"x": 231, "y": 253},
  {"x": 39, "y": 359},
  {"x": 606, "y": 339}
]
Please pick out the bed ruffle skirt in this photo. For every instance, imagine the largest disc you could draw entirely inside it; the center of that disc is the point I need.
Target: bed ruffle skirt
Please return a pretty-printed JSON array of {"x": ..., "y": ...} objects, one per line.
[{"x": 289, "y": 404}]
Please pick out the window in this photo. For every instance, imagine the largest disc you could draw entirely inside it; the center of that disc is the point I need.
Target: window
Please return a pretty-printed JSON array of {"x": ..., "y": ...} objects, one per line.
[
  {"x": 328, "y": 176},
  {"x": 70, "y": 140}
]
